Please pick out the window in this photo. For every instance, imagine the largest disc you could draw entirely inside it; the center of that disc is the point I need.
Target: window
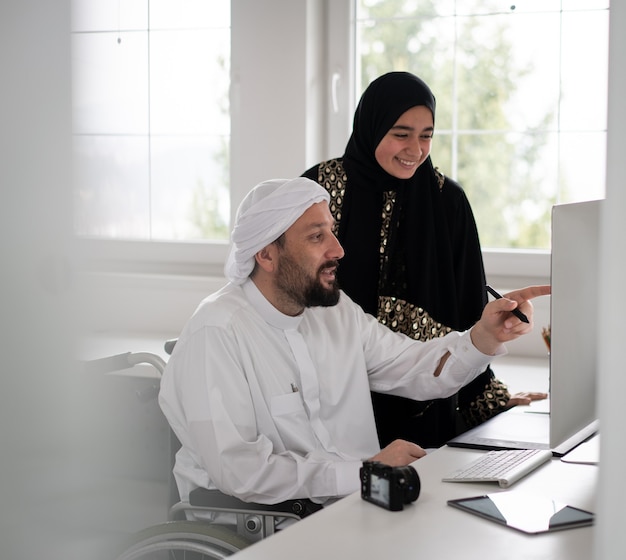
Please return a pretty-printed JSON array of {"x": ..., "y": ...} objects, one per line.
[
  {"x": 154, "y": 126},
  {"x": 521, "y": 94},
  {"x": 151, "y": 119}
]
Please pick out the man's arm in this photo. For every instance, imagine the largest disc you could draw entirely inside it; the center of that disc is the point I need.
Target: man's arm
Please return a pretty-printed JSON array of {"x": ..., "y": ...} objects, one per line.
[{"x": 441, "y": 366}]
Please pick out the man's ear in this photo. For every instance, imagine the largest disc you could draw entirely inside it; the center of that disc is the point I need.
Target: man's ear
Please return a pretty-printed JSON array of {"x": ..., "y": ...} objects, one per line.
[{"x": 267, "y": 257}]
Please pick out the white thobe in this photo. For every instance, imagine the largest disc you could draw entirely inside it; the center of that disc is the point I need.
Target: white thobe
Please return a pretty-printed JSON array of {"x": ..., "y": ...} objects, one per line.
[{"x": 270, "y": 407}]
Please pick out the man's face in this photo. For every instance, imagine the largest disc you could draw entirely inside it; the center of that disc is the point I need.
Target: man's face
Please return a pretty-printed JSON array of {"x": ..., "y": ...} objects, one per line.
[{"x": 308, "y": 258}]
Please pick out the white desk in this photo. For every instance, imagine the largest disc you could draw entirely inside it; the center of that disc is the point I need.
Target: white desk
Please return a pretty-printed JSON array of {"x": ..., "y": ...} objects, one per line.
[{"x": 428, "y": 528}]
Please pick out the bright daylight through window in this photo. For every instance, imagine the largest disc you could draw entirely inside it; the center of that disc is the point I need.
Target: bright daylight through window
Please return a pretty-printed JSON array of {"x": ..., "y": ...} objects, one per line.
[
  {"x": 521, "y": 108},
  {"x": 151, "y": 118},
  {"x": 521, "y": 92}
]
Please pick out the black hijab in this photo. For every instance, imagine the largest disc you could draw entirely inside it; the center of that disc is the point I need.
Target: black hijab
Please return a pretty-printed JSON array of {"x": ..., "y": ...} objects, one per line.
[
  {"x": 381, "y": 105},
  {"x": 435, "y": 260}
]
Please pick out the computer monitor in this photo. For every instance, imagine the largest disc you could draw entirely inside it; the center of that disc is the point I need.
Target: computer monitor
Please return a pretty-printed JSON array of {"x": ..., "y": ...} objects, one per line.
[
  {"x": 573, "y": 318},
  {"x": 572, "y": 416}
]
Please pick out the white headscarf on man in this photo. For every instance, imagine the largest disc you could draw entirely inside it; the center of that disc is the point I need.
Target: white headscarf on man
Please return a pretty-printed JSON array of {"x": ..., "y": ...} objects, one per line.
[{"x": 265, "y": 213}]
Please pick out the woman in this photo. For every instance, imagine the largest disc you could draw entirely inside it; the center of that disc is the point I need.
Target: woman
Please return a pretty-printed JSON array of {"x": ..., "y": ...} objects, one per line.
[{"x": 412, "y": 253}]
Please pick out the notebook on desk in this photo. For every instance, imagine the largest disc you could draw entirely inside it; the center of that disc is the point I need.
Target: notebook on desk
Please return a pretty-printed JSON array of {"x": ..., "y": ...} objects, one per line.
[{"x": 571, "y": 417}]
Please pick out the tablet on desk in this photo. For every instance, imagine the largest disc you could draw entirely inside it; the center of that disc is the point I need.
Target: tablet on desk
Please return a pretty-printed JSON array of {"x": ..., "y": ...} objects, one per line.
[{"x": 525, "y": 512}]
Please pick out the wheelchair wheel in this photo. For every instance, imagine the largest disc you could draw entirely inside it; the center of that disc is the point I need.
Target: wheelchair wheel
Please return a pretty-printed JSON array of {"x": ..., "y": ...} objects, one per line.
[{"x": 183, "y": 540}]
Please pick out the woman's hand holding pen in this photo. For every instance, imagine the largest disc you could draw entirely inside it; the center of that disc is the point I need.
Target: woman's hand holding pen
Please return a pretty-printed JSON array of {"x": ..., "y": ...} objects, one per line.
[{"x": 498, "y": 324}]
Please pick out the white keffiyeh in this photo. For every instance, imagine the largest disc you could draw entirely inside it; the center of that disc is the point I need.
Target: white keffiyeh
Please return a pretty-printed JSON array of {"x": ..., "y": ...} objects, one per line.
[{"x": 266, "y": 212}]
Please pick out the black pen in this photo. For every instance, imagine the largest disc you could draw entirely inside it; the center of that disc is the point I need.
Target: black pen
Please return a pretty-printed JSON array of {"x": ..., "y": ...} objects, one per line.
[{"x": 515, "y": 311}]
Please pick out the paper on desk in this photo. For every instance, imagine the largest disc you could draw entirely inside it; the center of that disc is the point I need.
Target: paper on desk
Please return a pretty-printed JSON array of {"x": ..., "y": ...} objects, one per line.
[
  {"x": 587, "y": 453},
  {"x": 538, "y": 407}
]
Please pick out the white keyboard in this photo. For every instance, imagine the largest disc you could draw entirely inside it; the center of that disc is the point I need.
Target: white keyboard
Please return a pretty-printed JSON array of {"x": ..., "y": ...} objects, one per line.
[{"x": 504, "y": 467}]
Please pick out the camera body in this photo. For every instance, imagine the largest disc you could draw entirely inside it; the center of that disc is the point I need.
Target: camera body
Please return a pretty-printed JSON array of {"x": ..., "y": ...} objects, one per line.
[{"x": 389, "y": 487}]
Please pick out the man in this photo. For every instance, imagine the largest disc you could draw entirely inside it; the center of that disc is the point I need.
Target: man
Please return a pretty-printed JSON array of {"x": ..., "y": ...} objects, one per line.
[{"x": 268, "y": 387}]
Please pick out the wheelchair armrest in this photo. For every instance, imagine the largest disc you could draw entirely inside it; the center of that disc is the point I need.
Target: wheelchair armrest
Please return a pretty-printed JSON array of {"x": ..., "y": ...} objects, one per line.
[
  {"x": 169, "y": 345},
  {"x": 215, "y": 499}
]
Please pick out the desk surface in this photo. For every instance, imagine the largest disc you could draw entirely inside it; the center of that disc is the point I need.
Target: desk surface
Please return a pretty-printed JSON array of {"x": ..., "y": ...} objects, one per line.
[{"x": 428, "y": 528}]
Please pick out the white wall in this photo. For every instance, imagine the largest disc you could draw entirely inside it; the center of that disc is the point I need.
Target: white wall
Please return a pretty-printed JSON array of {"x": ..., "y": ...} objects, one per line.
[
  {"x": 281, "y": 130},
  {"x": 269, "y": 129},
  {"x": 610, "y": 534}
]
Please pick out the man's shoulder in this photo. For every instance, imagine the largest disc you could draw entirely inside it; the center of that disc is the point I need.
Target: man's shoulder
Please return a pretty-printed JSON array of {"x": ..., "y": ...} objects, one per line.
[
  {"x": 219, "y": 308},
  {"x": 213, "y": 322}
]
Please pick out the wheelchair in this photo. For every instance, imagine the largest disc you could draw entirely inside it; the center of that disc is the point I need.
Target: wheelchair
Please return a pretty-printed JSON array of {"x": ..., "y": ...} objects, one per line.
[{"x": 181, "y": 537}]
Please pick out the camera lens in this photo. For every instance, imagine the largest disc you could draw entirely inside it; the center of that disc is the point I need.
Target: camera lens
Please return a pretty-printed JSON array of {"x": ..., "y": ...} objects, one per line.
[{"x": 410, "y": 483}]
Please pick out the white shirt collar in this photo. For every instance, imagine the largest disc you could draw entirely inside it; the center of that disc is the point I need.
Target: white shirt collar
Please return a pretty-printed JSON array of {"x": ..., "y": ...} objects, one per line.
[{"x": 269, "y": 313}]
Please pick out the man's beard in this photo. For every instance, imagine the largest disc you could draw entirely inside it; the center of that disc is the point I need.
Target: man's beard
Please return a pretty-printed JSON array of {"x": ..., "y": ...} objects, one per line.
[{"x": 294, "y": 281}]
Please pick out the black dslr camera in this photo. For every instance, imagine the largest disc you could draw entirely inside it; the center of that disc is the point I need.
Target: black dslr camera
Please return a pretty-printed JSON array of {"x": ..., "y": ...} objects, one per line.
[{"x": 389, "y": 487}]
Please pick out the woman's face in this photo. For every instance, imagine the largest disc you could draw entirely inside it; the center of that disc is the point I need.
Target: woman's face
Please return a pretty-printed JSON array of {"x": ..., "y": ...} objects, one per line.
[{"x": 407, "y": 143}]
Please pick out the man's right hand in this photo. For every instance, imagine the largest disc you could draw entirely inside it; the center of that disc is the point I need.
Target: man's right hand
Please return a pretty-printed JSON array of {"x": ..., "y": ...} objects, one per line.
[
  {"x": 399, "y": 453},
  {"x": 498, "y": 325}
]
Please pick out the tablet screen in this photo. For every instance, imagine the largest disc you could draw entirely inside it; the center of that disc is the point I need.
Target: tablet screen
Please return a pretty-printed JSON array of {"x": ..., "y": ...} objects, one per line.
[{"x": 525, "y": 512}]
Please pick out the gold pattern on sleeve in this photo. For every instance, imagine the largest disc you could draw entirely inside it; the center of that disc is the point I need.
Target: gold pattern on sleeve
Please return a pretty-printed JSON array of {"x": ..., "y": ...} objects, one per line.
[
  {"x": 389, "y": 199},
  {"x": 401, "y": 316},
  {"x": 441, "y": 178},
  {"x": 490, "y": 402},
  {"x": 332, "y": 176}
]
